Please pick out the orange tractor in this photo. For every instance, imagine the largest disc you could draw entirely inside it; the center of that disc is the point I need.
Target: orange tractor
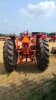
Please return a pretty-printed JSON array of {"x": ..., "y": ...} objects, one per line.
[{"x": 37, "y": 52}]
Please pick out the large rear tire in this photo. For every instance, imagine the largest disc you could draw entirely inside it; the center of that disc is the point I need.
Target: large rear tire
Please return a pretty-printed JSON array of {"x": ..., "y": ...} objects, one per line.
[
  {"x": 9, "y": 55},
  {"x": 42, "y": 56}
]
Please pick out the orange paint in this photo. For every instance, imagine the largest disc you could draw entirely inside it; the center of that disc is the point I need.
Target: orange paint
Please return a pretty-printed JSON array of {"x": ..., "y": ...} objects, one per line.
[{"x": 25, "y": 39}]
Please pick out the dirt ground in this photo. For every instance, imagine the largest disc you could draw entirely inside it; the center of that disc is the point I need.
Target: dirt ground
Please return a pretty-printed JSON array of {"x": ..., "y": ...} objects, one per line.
[{"x": 16, "y": 85}]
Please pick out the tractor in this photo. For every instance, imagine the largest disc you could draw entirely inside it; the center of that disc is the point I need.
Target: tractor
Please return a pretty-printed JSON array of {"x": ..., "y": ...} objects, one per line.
[
  {"x": 22, "y": 34},
  {"x": 37, "y": 52},
  {"x": 52, "y": 37}
]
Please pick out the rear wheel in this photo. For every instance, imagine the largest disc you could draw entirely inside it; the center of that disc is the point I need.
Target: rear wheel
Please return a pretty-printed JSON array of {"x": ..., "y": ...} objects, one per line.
[
  {"x": 9, "y": 55},
  {"x": 42, "y": 55}
]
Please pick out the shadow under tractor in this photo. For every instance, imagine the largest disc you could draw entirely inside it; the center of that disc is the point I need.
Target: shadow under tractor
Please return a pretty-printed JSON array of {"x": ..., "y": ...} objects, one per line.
[{"x": 36, "y": 52}]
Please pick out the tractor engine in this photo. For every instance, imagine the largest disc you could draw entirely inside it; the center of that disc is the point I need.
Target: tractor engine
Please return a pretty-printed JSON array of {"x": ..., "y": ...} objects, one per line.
[{"x": 27, "y": 50}]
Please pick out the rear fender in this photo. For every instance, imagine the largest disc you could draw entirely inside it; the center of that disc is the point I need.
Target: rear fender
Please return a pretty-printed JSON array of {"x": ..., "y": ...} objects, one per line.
[
  {"x": 37, "y": 42},
  {"x": 13, "y": 38}
]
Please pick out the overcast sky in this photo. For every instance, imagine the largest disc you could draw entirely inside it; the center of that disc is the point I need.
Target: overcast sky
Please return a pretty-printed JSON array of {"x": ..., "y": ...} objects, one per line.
[{"x": 35, "y": 15}]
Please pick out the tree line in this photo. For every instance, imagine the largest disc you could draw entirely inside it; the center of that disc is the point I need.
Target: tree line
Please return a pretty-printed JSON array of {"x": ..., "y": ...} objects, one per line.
[{"x": 7, "y": 35}]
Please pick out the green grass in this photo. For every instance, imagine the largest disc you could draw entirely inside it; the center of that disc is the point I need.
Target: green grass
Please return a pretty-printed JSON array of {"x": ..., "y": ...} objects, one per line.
[{"x": 43, "y": 95}]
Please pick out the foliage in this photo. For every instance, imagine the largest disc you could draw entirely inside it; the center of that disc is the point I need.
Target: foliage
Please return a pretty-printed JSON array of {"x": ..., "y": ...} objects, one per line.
[
  {"x": 42, "y": 95},
  {"x": 6, "y": 35}
]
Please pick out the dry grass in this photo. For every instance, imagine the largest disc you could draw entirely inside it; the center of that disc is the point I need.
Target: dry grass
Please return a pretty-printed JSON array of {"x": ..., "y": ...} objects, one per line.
[
  {"x": 17, "y": 84},
  {"x": 1, "y": 51}
]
